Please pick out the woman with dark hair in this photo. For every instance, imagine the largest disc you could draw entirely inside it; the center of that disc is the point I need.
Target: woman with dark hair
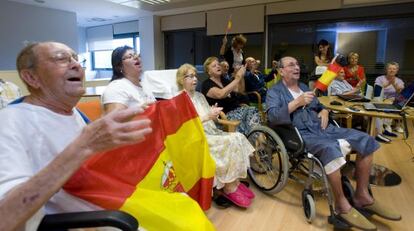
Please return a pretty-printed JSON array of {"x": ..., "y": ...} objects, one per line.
[
  {"x": 125, "y": 89},
  {"x": 234, "y": 54},
  {"x": 324, "y": 55}
]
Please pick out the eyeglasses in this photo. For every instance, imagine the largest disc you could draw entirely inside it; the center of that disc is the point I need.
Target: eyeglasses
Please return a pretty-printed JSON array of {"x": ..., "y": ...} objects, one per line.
[
  {"x": 190, "y": 76},
  {"x": 63, "y": 59},
  {"x": 130, "y": 56}
]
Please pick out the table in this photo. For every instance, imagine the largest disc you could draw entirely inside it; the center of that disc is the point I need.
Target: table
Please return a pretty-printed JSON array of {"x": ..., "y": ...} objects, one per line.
[
  {"x": 371, "y": 115},
  {"x": 379, "y": 175}
]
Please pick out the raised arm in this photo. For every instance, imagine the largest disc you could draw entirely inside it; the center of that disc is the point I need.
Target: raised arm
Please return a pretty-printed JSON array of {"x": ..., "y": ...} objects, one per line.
[
  {"x": 223, "y": 46},
  {"x": 240, "y": 75},
  {"x": 112, "y": 130},
  {"x": 220, "y": 93}
]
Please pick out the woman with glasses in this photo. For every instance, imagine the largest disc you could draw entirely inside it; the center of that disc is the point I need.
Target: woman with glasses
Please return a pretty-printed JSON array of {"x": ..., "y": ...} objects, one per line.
[
  {"x": 228, "y": 95},
  {"x": 230, "y": 150},
  {"x": 125, "y": 89}
]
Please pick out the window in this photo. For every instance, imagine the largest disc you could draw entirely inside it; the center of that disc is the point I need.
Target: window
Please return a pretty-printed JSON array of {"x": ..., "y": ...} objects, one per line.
[{"x": 101, "y": 60}]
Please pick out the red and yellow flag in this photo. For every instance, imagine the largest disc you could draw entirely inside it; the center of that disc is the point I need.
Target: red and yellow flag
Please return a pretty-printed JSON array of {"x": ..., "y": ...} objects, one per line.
[
  {"x": 146, "y": 179},
  {"x": 328, "y": 76},
  {"x": 229, "y": 25}
]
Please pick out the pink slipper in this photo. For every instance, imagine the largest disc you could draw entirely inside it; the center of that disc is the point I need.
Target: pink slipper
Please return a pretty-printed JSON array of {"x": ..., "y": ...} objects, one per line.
[
  {"x": 249, "y": 193},
  {"x": 238, "y": 198}
]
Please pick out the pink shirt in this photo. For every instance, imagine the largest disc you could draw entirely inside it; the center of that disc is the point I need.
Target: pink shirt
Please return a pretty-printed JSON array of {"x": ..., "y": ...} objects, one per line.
[{"x": 389, "y": 91}]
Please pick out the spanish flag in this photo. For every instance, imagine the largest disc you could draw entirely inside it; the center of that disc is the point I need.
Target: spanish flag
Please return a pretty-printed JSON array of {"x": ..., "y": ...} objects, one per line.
[
  {"x": 328, "y": 76},
  {"x": 165, "y": 181},
  {"x": 229, "y": 25}
]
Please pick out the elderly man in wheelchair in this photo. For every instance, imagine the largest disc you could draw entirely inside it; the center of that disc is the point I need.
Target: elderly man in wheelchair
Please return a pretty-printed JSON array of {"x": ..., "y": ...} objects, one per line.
[{"x": 291, "y": 103}]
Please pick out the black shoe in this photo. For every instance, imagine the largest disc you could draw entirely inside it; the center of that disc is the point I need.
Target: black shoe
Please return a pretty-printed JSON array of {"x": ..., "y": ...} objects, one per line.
[
  {"x": 391, "y": 134},
  {"x": 382, "y": 139}
]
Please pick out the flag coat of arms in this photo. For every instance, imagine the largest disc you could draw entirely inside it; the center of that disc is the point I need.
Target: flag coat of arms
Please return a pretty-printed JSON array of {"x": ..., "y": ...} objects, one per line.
[{"x": 165, "y": 182}]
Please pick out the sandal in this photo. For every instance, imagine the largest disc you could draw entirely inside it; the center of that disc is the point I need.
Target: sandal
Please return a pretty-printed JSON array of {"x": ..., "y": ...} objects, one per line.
[
  {"x": 379, "y": 210},
  {"x": 249, "y": 194},
  {"x": 356, "y": 219},
  {"x": 238, "y": 198}
]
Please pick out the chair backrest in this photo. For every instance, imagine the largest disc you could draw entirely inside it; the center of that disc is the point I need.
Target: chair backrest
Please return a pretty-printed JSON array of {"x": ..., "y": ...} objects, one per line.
[
  {"x": 162, "y": 83},
  {"x": 369, "y": 91},
  {"x": 378, "y": 94},
  {"x": 92, "y": 109}
]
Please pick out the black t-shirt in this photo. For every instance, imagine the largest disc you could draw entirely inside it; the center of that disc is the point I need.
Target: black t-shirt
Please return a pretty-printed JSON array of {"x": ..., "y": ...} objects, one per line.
[{"x": 228, "y": 103}]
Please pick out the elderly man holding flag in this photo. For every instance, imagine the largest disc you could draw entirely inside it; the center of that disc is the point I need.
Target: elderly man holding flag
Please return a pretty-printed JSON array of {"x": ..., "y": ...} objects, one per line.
[{"x": 291, "y": 102}]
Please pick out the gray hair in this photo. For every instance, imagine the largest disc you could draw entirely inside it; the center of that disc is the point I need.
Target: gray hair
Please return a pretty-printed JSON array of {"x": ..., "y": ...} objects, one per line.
[
  {"x": 392, "y": 63},
  {"x": 26, "y": 58}
]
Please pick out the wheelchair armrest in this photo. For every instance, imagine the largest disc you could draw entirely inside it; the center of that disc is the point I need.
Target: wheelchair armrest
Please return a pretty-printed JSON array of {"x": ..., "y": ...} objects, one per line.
[
  {"x": 112, "y": 218},
  {"x": 291, "y": 139},
  {"x": 229, "y": 125}
]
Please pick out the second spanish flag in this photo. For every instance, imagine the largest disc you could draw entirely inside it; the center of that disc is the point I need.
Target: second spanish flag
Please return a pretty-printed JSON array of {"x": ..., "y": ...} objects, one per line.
[{"x": 327, "y": 77}]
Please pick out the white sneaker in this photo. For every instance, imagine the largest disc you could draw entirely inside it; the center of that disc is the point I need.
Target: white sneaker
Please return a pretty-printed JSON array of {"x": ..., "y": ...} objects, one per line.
[
  {"x": 383, "y": 139},
  {"x": 399, "y": 129},
  {"x": 388, "y": 128}
]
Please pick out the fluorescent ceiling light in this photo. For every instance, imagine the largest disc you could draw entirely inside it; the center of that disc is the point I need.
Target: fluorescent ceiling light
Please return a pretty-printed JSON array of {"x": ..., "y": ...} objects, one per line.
[{"x": 136, "y": 3}]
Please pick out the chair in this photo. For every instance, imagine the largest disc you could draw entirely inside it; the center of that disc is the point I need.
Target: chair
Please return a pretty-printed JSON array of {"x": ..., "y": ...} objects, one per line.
[
  {"x": 378, "y": 93},
  {"x": 111, "y": 218},
  {"x": 279, "y": 154},
  {"x": 92, "y": 109},
  {"x": 258, "y": 105},
  {"x": 162, "y": 83},
  {"x": 369, "y": 91}
]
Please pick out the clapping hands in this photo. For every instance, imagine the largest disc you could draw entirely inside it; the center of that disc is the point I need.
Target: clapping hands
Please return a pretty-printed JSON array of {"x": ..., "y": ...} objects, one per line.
[{"x": 214, "y": 112}]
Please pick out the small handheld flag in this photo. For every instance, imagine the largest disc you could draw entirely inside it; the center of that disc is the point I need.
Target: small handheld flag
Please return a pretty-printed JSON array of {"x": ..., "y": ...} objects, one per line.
[
  {"x": 329, "y": 75},
  {"x": 229, "y": 25}
]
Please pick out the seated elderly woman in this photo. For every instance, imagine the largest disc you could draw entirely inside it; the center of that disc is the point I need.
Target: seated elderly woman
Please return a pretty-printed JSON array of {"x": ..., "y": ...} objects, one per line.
[
  {"x": 229, "y": 150},
  {"x": 125, "y": 89},
  {"x": 340, "y": 86},
  {"x": 391, "y": 85},
  {"x": 223, "y": 93},
  {"x": 354, "y": 72}
]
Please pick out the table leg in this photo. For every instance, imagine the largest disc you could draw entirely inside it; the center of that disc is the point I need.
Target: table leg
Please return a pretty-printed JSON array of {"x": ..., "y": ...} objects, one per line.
[{"x": 372, "y": 127}]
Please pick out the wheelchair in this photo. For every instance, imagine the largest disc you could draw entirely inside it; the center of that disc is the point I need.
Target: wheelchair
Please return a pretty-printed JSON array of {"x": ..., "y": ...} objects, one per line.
[{"x": 280, "y": 154}]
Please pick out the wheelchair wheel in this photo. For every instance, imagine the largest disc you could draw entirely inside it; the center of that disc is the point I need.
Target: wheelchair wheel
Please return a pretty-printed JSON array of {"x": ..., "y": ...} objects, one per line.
[
  {"x": 308, "y": 204},
  {"x": 269, "y": 164}
]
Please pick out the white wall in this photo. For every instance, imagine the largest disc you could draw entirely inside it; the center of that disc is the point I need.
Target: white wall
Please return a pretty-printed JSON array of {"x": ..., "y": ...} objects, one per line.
[
  {"x": 21, "y": 23},
  {"x": 81, "y": 40},
  {"x": 152, "y": 48}
]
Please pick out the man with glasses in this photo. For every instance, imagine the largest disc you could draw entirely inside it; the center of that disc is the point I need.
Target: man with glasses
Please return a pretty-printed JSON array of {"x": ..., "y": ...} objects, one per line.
[
  {"x": 44, "y": 139},
  {"x": 291, "y": 102}
]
